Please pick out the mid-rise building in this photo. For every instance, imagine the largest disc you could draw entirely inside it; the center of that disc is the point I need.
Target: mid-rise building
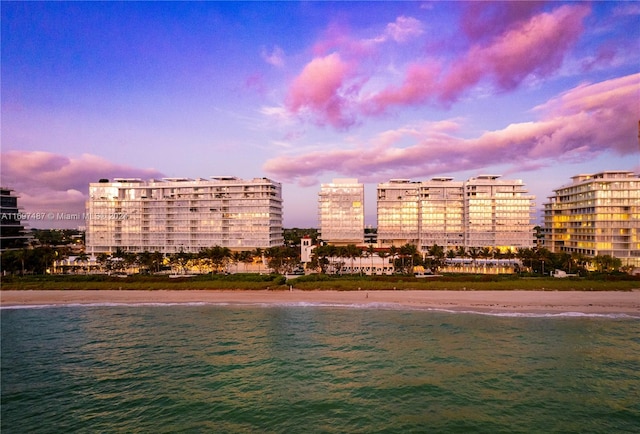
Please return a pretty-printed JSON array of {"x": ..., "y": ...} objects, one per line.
[
  {"x": 398, "y": 212},
  {"x": 484, "y": 211},
  {"x": 341, "y": 212},
  {"x": 442, "y": 213},
  {"x": 498, "y": 213},
  {"x": 180, "y": 214},
  {"x": 596, "y": 214},
  {"x": 12, "y": 232}
]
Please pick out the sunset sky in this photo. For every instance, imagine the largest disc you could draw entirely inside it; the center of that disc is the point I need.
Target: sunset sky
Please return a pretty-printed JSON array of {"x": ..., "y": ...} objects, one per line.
[{"x": 304, "y": 92}]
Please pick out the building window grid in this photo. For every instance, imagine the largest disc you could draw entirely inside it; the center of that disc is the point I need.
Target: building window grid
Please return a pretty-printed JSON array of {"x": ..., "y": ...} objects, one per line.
[{"x": 180, "y": 215}]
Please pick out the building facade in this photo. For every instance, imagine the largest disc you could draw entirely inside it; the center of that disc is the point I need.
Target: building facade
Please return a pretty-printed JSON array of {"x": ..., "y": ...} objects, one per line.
[
  {"x": 341, "y": 212},
  {"x": 180, "y": 214},
  {"x": 442, "y": 213},
  {"x": 498, "y": 213},
  {"x": 485, "y": 211},
  {"x": 12, "y": 232},
  {"x": 596, "y": 214},
  {"x": 398, "y": 212}
]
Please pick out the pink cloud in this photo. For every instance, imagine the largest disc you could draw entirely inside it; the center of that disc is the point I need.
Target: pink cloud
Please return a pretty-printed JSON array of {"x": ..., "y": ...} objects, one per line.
[
  {"x": 420, "y": 83},
  {"x": 404, "y": 29},
  {"x": 327, "y": 89},
  {"x": 536, "y": 46},
  {"x": 482, "y": 20},
  {"x": 605, "y": 56},
  {"x": 527, "y": 45},
  {"x": 275, "y": 57},
  {"x": 579, "y": 124},
  {"x": 57, "y": 183},
  {"x": 319, "y": 89}
]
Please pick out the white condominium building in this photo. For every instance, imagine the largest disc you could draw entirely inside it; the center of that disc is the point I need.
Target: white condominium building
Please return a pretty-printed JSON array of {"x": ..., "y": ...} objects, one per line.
[
  {"x": 596, "y": 214},
  {"x": 398, "y": 214},
  {"x": 481, "y": 212},
  {"x": 441, "y": 213},
  {"x": 341, "y": 211},
  {"x": 175, "y": 214},
  {"x": 498, "y": 213}
]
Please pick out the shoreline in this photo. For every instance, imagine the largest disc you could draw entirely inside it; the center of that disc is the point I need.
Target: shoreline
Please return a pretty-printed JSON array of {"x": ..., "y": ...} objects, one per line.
[{"x": 516, "y": 301}]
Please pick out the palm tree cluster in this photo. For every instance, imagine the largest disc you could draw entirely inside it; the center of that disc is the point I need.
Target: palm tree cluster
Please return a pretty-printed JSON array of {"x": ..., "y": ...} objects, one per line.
[
  {"x": 216, "y": 259},
  {"x": 329, "y": 259}
]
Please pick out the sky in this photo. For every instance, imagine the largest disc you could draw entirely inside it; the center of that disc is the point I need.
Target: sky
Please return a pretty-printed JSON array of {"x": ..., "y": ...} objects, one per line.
[{"x": 306, "y": 92}]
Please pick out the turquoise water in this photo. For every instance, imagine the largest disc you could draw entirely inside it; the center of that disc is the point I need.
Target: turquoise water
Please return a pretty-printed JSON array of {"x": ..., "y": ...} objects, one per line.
[{"x": 287, "y": 369}]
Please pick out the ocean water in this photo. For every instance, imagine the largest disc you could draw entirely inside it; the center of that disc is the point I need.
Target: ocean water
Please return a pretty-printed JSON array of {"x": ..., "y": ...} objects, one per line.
[{"x": 307, "y": 369}]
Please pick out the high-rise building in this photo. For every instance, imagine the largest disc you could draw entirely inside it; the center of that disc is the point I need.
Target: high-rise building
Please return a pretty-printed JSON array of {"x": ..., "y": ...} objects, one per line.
[
  {"x": 481, "y": 212},
  {"x": 341, "y": 212},
  {"x": 596, "y": 214},
  {"x": 12, "y": 232},
  {"x": 175, "y": 214}
]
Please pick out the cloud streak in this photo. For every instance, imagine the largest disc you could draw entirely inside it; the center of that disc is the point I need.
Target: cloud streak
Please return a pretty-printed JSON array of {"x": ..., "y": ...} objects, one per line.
[
  {"x": 585, "y": 121},
  {"x": 49, "y": 182}
]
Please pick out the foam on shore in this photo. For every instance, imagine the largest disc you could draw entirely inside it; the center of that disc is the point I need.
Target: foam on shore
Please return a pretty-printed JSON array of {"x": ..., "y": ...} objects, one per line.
[{"x": 305, "y": 304}]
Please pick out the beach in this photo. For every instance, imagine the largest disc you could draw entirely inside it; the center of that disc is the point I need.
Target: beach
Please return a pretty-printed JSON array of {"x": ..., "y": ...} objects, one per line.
[{"x": 627, "y": 302}]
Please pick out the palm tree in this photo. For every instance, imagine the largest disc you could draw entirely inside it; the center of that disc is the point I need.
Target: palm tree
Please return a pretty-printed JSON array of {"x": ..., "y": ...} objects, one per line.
[
  {"x": 543, "y": 256},
  {"x": 370, "y": 251},
  {"x": 508, "y": 254},
  {"x": 319, "y": 257},
  {"x": 130, "y": 260},
  {"x": 436, "y": 253},
  {"x": 21, "y": 255},
  {"x": 485, "y": 252},
  {"x": 393, "y": 251},
  {"x": 236, "y": 258},
  {"x": 246, "y": 257},
  {"x": 157, "y": 259},
  {"x": 579, "y": 260},
  {"x": 218, "y": 257},
  {"x": 474, "y": 253},
  {"x": 104, "y": 261},
  {"x": 258, "y": 253},
  {"x": 181, "y": 259},
  {"x": 525, "y": 254},
  {"x": 383, "y": 255},
  {"x": 352, "y": 252},
  {"x": 82, "y": 259},
  {"x": 332, "y": 251},
  {"x": 408, "y": 250}
]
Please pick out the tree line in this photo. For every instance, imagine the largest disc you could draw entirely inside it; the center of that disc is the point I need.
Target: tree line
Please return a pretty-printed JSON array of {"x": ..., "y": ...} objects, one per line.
[{"x": 329, "y": 259}]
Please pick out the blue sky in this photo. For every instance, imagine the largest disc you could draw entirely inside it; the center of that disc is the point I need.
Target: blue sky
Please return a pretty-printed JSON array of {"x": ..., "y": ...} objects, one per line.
[{"x": 304, "y": 92}]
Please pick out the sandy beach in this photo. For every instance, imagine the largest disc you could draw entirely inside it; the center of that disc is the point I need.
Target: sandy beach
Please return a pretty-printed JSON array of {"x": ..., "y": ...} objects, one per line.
[{"x": 484, "y": 301}]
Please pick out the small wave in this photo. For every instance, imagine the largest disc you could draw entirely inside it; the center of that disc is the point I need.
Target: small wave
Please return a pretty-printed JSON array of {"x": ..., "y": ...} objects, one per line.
[
  {"x": 539, "y": 314},
  {"x": 305, "y": 304}
]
